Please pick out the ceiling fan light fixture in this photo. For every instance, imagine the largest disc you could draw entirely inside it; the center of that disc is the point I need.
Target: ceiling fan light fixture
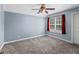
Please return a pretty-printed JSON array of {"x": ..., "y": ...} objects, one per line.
[{"x": 43, "y": 9}]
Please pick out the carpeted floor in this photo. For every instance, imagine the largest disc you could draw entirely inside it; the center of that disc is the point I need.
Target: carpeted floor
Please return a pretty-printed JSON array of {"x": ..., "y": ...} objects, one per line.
[{"x": 41, "y": 45}]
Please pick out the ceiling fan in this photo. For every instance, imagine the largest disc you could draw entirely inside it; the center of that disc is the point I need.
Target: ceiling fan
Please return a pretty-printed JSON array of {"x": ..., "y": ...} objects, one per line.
[{"x": 43, "y": 8}]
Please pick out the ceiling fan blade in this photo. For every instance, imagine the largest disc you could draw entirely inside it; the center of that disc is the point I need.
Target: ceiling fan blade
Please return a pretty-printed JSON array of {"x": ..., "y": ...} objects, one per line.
[
  {"x": 50, "y": 8},
  {"x": 35, "y": 9},
  {"x": 46, "y": 12}
]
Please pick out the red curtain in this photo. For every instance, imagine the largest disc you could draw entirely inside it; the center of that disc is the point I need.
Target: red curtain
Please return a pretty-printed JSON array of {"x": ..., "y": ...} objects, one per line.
[
  {"x": 48, "y": 24},
  {"x": 63, "y": 24}
]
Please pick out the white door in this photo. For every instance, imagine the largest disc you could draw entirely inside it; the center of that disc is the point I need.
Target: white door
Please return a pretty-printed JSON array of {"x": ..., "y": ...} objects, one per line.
[{"x": 76, "y": 28}]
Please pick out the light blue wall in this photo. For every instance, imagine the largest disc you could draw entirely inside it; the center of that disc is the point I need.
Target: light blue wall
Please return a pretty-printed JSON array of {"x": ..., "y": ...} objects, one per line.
[
  {"x": 28, "y": 26},
  {"x": 67, "y": 13},
  {"x": 19, "y": 26},
  {"x": 1, "y": 26}
]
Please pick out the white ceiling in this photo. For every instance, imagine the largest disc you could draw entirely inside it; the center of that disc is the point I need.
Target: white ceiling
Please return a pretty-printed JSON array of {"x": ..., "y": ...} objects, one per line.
[{"x": 27, "y": 8}]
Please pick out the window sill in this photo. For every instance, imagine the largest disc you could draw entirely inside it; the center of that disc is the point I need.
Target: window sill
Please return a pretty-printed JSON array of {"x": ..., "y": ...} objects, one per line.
[{"x": 56, "y": 31}]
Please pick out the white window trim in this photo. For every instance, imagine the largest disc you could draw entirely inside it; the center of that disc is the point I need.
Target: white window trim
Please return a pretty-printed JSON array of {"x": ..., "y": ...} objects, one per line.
[
  {"x": 55, "y": 30},
  {"x": 55, "y": 23}
]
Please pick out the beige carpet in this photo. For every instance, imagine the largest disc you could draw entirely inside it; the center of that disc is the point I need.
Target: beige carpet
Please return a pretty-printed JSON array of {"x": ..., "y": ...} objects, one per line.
[{"x": 41, "y": 45}]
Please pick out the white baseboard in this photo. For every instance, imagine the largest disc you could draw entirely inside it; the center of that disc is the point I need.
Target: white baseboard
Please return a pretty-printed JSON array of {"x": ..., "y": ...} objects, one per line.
[
  {"x": 59, "y": 38},
  {"x": 1, "y": 47},
  {"x": 22, "y": 39}
]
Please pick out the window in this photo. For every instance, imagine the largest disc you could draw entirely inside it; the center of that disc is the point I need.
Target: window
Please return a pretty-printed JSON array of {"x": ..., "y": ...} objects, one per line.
[{"x": 56, "y": 24}]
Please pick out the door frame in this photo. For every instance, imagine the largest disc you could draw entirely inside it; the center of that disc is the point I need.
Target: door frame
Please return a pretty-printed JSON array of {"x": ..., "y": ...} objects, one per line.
[{"x": 72, "y": 26}]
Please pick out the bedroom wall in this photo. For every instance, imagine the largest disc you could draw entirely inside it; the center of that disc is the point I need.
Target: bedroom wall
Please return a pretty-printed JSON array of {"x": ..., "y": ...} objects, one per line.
[
  {"x": 68, "y": 14},
  {"x": 19, "y": 26},
  {"x": 1, "y": 26}
]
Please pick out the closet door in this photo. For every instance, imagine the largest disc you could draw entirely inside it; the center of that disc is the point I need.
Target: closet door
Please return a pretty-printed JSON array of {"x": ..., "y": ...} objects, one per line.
[{"x": 76, "y": 28}]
